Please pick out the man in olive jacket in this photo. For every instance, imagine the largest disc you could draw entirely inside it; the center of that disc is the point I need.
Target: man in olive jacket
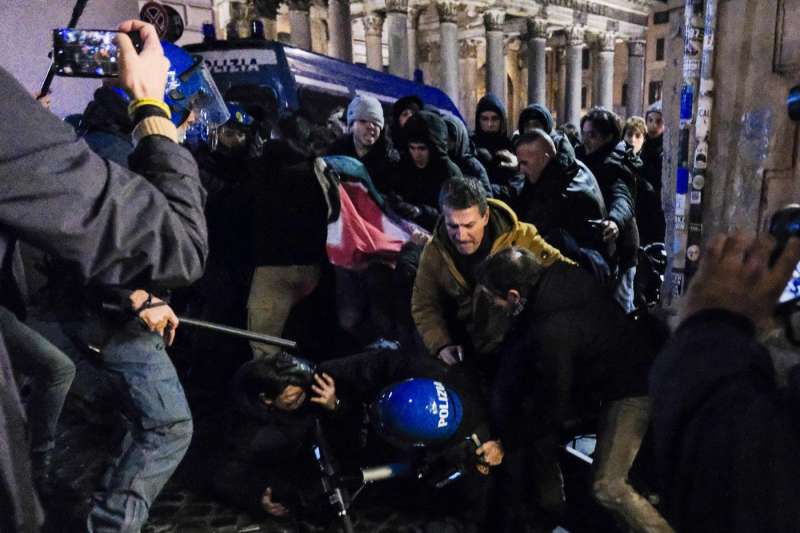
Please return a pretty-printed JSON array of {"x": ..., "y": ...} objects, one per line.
[{"x": 471, "y": 228}]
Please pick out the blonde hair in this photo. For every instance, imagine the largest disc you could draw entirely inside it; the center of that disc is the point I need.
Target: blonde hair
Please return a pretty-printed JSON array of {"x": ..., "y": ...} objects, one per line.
[{"x": 635, "y": 124}]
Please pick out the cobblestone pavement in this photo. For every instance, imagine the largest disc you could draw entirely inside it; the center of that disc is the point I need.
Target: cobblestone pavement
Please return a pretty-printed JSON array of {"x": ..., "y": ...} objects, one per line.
[{"x": 84, "y": 449}]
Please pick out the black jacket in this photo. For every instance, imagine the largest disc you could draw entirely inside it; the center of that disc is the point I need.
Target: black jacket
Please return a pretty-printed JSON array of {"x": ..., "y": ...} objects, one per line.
[
  {"x": 617, "y": 171},
  {"x": 570, "y": 339},
  {"x": 726, "y": 437},
  {"x": 649, "y": 210},
  {"x": 413, "y": 187},
  {"x": 461, "y": 151},
  {"x": 113, "y": 225},
  {"x": 504, "y": 180},
  {"x": 379, "y": 160},
  {"x": 566, "y": 197}
]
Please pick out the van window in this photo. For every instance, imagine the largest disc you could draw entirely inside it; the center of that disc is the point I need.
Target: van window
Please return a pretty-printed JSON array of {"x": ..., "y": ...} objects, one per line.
[{"x": 316, "y": 106}]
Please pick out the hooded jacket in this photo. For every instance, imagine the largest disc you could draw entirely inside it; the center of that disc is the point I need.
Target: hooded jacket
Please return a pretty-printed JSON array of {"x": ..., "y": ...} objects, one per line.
[
  {"x": 442, "y": 301},
  {"x": 617, "y": 171},
  {"x": 536, "y": 112},
  {"x": 460, "y": 149},
  {"x": 379, "y": 160},
  {"x": 506, "y": 181},
  {"x": 414, "y": 192},
  {"x": 566, "y": 197}
]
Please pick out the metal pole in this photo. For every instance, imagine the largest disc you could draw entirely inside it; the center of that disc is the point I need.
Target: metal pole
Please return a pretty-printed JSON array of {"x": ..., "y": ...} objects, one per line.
[
  {"x": 220, "y": 328},
  {"x": 705, "y": 106},
  {"x": 77, "y": 11},
  {"x": 693, "y": 36}
]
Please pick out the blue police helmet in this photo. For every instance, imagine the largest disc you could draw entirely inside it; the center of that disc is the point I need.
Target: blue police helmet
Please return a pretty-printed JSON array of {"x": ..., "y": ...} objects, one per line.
[
  {"x": 190, "y": 87},
  {"x": 417, "y": 412}
]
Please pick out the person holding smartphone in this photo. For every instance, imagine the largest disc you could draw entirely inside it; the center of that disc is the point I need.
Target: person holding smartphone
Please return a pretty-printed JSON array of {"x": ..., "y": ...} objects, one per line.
[{"x": 112, "y": 226}]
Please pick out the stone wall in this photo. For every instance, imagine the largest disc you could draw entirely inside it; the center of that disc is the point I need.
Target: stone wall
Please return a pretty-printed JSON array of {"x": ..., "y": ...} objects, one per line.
[{"x": 753, "y": 152}]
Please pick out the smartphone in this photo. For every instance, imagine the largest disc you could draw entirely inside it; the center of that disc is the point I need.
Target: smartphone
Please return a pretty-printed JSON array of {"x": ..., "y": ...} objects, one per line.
[
  {"x": 785, "y": 223},
  {"x": 88, "y": 53}
]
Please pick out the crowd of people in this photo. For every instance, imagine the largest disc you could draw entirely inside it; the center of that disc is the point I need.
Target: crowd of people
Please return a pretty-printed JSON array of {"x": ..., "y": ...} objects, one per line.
[{"x": 501, "y": 265}]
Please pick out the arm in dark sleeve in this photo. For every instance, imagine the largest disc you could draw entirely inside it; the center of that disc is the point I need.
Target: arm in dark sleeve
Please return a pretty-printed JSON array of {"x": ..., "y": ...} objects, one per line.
[
  {"x": 620, "y": 204},
  {"x": 361, "y": 376},
  {"x": 112, "y": 224}
]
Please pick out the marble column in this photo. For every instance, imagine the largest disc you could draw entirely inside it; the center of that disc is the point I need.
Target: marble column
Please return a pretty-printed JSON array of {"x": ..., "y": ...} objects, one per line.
[
  {"x": 561, "y": 68},
  {"x": 448, "y": 42},
  {"x": 468, "y": 52},
  {"x": 605, "y": 70},
  {"x": 574, "y": 81},
  {"x": 636, "y": 49},
  {"x": 300, "y": 23},
  {"x": 397, "y": 28},
  {"x": 537, "y": 50},
  {"x": 495, "y": 61},
  {"x": 413, "y": 22},
  {"x": 340, "y": 30},
  {"x": 373, "y": 30}
]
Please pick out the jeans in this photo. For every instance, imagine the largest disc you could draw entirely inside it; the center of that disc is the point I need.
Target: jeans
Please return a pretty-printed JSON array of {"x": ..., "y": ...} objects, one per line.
[
  {"x": 51, "y": 371},
  {"x": 624, "y": 290},
  {"x": 151, "y": 397}
]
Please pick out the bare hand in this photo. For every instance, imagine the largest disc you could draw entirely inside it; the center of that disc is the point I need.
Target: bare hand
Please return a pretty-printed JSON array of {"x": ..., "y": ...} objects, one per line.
[
  {"x": 734, "y": 275},
  {"x": 420, "y": 237},
  {"x": 491, "y": 452},
  {"x": 161, "y": 319},
  {"x": 44, "y": 100},
  {"x": 273, "y": 508},
  {"x": 143, "y": 75},
  {"x": 325, "y": 389},
  {"x": 507, "y": 159},
  {"x": 610, "y": 230},
  {"x": 451, "y": 355}
]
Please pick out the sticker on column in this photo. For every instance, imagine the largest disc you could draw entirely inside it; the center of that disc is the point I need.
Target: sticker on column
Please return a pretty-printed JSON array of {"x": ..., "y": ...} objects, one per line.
[
  {"x": 695, "y": 197},
  {"x": 693, "y": 253}
]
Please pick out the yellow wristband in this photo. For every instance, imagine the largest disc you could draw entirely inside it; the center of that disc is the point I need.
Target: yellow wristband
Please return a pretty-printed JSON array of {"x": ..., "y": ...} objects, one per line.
[{"x": 135, "y": 104}]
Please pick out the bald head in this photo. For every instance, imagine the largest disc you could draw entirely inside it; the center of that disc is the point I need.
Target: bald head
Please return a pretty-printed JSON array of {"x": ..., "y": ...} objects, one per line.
[{"x": 535, "y": 150}]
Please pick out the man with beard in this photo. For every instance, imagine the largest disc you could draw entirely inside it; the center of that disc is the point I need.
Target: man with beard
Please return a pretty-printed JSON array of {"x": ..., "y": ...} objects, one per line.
[
  {"x": 366, "y": 140},
  {"x": 568, "y": 344},
  {"x": 617, "y": 171},
  {"x": 494, "y": 146}
]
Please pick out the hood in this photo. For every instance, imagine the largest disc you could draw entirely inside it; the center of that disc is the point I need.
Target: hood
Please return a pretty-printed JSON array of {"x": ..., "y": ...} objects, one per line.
[
  {"x": 107, "y": 111},
  {"x": 536, "y": 112},
  {"x": 565, "y": 164},
  {"x": 406, "y": 102},
  {"x": 458, "y": 143},
  {"x": 491, "y": 102},
  {"x": 426, "y": 127}
]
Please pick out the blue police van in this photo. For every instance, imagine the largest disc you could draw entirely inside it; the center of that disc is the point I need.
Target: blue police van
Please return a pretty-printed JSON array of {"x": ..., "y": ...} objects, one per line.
[{"x": 275, "y": 77}]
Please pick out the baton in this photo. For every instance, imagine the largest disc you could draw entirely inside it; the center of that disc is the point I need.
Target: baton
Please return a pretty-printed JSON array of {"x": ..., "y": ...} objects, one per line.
[
  {"x": 77, "y": 11},
  {"x": 221, "y": 328}
]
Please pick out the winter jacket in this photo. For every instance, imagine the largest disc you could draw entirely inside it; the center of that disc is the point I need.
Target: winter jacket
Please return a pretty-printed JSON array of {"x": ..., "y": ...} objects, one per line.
[
  {"x": 414, "y": 192},
  {"x": 504, "y": 180},
  {"x": 726, "y": 437},
  {"x": 573, "y": 342},
  {"x": 617, "y": 170},
  {"x": 442, "y": 301},
  {"x": 379, "y": 160},
  {"x": 461, "y": 151},
  {"x": 649, "y": 211},
  {"x": 62, "y": 198},
  {"x": 566, "y": 197}
]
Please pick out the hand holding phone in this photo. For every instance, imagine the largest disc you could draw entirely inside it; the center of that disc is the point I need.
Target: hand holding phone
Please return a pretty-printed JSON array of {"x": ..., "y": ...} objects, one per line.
[{"x": 87, "y": 53}]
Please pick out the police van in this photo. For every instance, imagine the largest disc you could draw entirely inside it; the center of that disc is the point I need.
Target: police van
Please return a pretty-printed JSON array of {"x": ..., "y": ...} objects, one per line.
[{"x": 275, "y": 77}]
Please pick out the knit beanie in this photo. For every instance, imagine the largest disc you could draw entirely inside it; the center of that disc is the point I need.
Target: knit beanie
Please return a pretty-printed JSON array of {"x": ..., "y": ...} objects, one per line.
[{"x": 365, "y": 108}]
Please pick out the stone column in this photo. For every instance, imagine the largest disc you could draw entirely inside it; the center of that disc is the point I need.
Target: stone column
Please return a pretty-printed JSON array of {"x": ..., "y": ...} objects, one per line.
[
  {"x": 574, "y": 82},
  {"x": 373, "y": 29},
  {"x": 397, "y": 28},
  {"x": 267, "y": 12},
  {"x": 636, "y": 49},
  {"x": 300, "y": 23},
  {"x": 340, "y": 31},
  {"x": 448, "y": 41},
  {"x": 605, "y": 70},
  {"x": 413, "y": 20},
  {"x": 537, "y": 48},
  {"x": 468, "y": 52},
  {"x": 495, "y": 61},
  {"x": 561, "y": 68}
]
